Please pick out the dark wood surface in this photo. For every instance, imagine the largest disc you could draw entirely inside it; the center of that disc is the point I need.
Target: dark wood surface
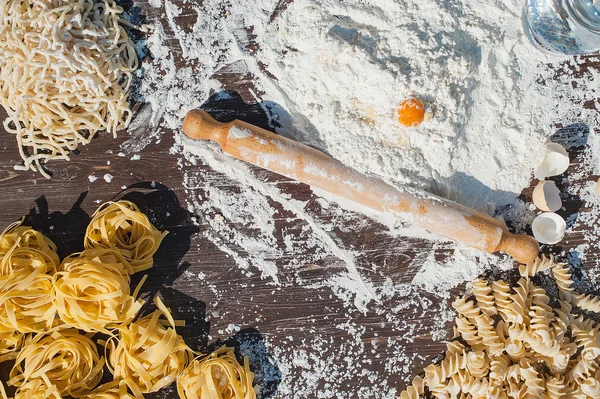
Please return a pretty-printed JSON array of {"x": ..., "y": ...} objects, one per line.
[{"x": 268, "y": 315}]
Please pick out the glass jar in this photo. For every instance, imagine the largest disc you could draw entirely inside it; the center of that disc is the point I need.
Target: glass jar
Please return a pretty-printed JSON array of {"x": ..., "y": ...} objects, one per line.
[{"x": 563, "y": 26}]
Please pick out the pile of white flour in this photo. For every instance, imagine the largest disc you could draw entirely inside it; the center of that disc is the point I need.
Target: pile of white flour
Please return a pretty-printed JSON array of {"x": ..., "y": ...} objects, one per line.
[{"x": 331, "y": 74}]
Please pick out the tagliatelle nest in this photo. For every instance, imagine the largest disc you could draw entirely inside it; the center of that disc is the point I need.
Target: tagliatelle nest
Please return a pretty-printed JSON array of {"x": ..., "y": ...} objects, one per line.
[
  {"x": 91, "y": 291},
  {"x": 66, "y": 359},
  {"x": 148, "y": 354},
  {"x": 28, "y": 260},
  {"x": 217, "y": 376},
  {"x": 25, "y": 302},
  {"x": 121, "y": 226},
  {"x": 25, "y": 237}
]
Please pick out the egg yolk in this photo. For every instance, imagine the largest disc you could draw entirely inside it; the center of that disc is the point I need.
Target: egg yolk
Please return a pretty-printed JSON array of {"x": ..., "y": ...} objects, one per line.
[{"x": 411, "y": 112}]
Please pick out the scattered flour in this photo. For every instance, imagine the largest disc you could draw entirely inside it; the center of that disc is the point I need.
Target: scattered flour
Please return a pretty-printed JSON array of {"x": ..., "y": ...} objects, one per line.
[
  {"x": 330, "y": 73},
  {"x": 108, "y": 177},
  {"x": 92, "y": 178}
]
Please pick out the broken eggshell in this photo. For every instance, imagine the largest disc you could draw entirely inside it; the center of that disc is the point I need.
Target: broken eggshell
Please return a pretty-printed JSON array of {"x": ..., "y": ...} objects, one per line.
[
  {"x": 549, "y": 228},
  {"x": 546, "y": 196},
  {"x": 553, "y": 160}
]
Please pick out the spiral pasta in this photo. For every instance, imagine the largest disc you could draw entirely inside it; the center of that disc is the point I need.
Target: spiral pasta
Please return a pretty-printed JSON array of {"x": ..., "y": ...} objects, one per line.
[
  {"x": 562, "y": 275},
  {"x": 484, "y": 297},
  {"x": 413, "y": 391},
  {"x": 528, "y": 349},
  {"x": 555, "y": 387},
  {"x": 121, "y": 226},
  {"x": 220, "y": 376},
  {"x": 91, "y": 291},
  {"x": 540, "y": 264},
  {"x": 148, "y": 354},
  {"x": 586, "y": 302},
  {"x": 68, "y": 360}
]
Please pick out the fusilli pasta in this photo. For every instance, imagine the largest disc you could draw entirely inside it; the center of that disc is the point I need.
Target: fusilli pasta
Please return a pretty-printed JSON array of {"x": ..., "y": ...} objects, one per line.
[{"x": 510, "y": 334}]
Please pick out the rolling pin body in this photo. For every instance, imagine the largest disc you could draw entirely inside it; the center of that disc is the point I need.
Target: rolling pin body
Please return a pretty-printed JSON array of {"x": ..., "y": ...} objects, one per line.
[{"x": 308, "y": 165}]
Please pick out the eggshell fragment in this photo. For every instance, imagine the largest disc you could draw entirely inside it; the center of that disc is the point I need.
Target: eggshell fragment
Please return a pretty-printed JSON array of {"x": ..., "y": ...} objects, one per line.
[
  {"x": 549, "y": 228},
  {"x": 546, "y": 196},
  {"x": 553, "y": 161}
]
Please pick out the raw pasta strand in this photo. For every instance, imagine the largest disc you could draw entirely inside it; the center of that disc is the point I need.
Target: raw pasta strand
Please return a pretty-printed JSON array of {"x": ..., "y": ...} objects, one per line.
[{"x": 65, "y": 70}]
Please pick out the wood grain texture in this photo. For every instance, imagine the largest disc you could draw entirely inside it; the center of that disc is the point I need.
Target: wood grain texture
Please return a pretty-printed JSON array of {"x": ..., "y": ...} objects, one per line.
[{"x": 226, "y": 295}]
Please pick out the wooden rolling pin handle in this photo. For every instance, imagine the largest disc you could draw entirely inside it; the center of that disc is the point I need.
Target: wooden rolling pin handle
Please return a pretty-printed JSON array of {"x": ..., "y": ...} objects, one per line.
[
  {"x": 522, "y": 247},
  {"x": 295, "y": 160}
]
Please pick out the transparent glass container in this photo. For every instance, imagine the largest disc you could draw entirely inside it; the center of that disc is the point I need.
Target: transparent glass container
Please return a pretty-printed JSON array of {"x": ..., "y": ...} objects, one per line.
[{"x": 563, "y": 26}]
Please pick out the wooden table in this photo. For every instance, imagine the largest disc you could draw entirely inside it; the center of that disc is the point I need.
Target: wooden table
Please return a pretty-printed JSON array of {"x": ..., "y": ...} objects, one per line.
[{"x": 286, "y": 318}]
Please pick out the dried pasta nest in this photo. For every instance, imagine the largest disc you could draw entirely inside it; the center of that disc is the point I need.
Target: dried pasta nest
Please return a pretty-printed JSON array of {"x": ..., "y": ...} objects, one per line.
[
  {"x": 148, "y": 354},
  {"x": 38, "y": 389},
  {"x": 17, "y": 235},
  {"x": 91, "y": 291},
  {"x": 111, "y": 390},
  {"x": 20, "y": 260},
  {"x": 25, "y": 303},
  {"x": 121, "y": 226},
  {"x": 65, "y": 359},
  {"x": 217, "y": 376}
]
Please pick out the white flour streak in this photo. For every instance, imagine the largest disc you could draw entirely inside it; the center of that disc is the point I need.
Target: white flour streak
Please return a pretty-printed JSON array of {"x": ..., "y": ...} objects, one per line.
[{"x": 219, "y": 162}]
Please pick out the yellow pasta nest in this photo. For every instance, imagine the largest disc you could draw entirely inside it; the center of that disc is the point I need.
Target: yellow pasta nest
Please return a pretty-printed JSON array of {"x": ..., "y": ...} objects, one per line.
[
  {"x": 148, "y": 354},
  {"x": 20, "y": 236},
  {"x": 64, "y": 74},
  {"x": 65, "y": 358},
  {"x": 91, "y": 291},
  {"x": 217, "y": 376},
  {"x": 121, "y": 226},
  {"x": 25, "y": 287},
  {"x": 512, "y": 344}
]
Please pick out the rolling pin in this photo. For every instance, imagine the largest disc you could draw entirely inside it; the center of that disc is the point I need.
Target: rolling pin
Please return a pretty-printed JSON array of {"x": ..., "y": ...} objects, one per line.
[{"x": 303, "y": 163}]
